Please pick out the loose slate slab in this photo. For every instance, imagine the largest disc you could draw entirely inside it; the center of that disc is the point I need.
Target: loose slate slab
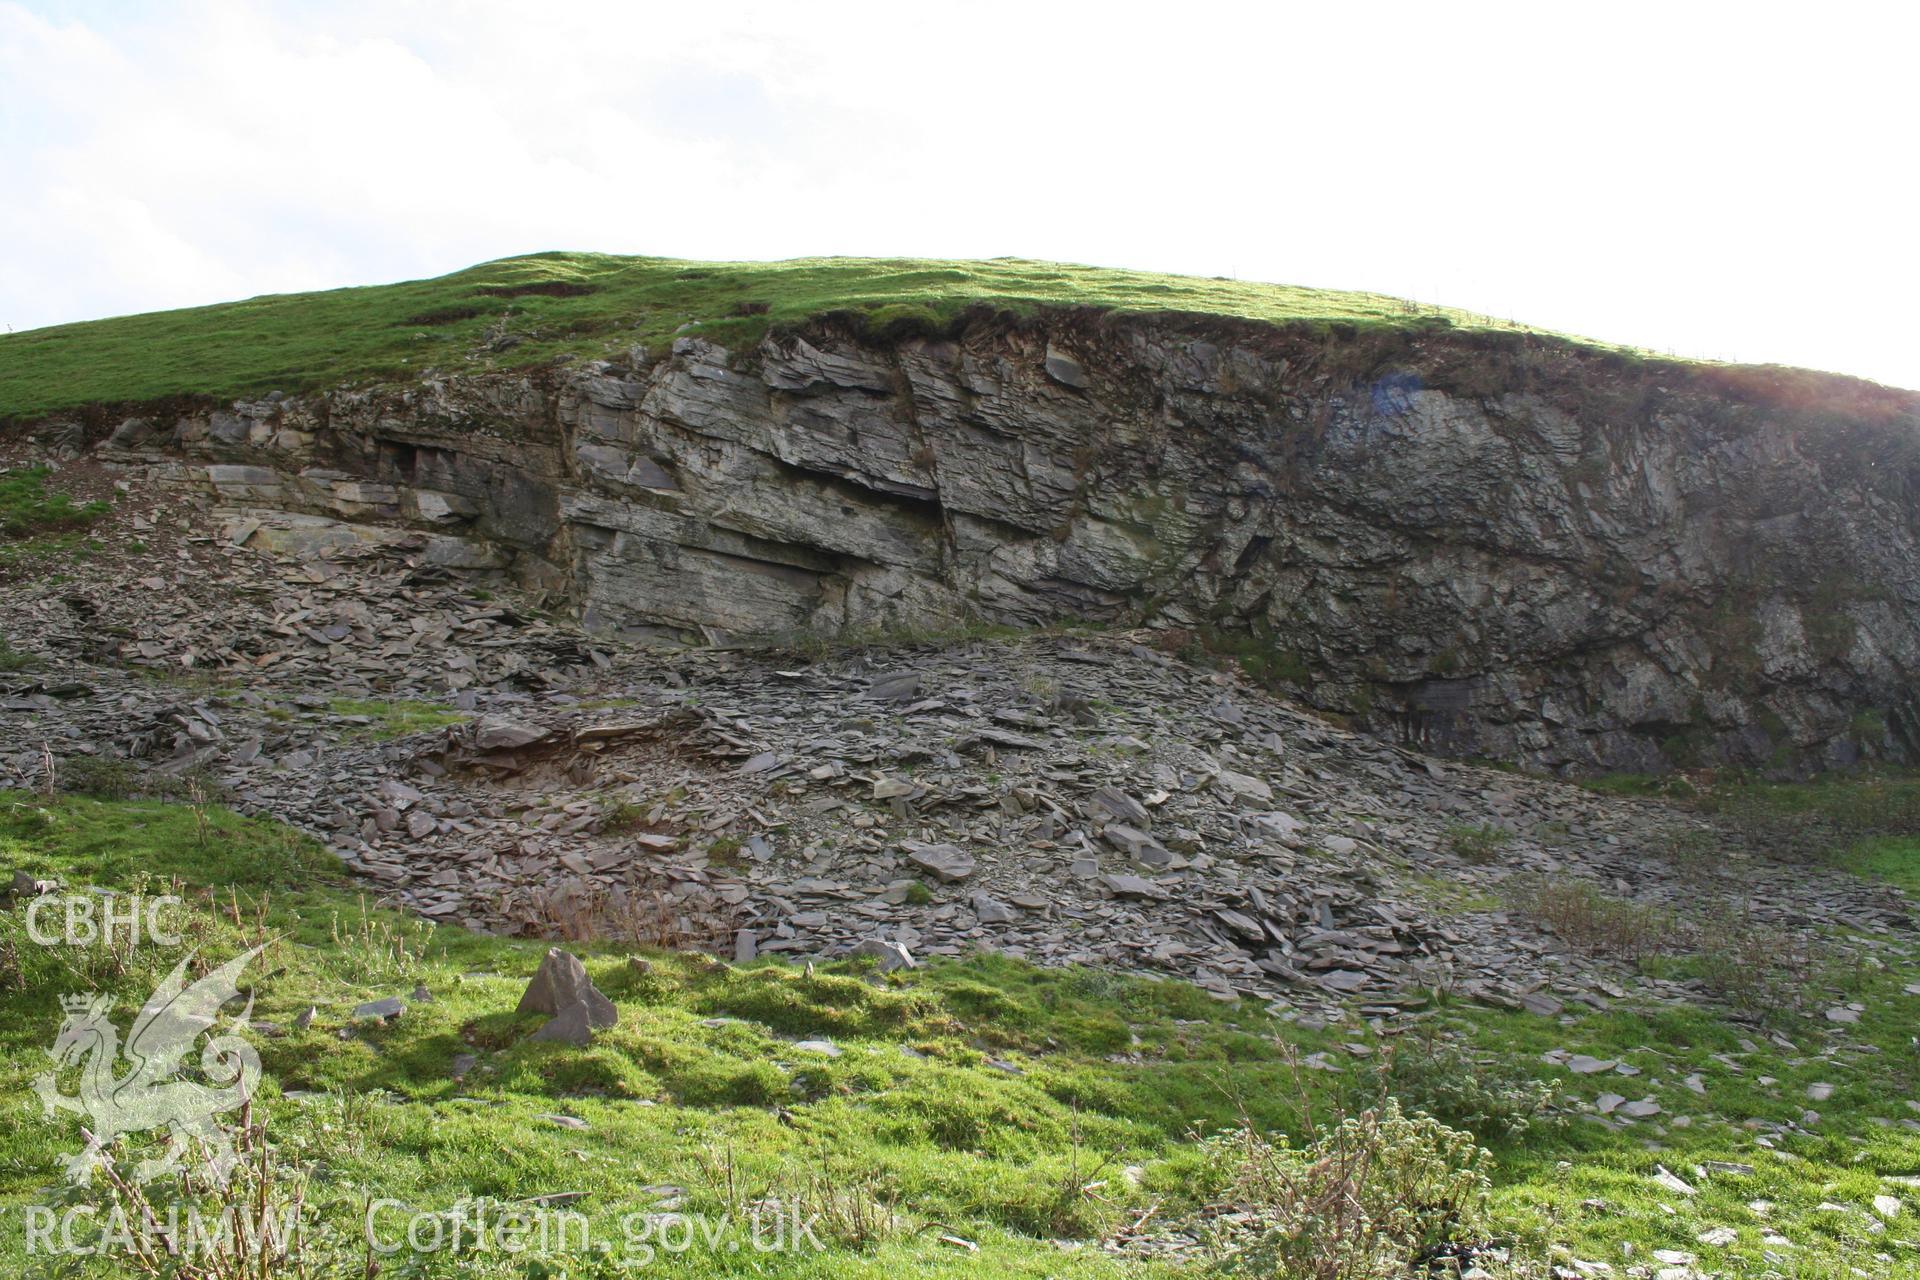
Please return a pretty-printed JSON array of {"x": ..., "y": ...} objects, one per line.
[
  {"x": 1119, "y": 806},
  {"x": 1131, "y": 887},
  {"x": 990, "y": 910},
  {"x": 1138, "y": 845},
  {"x": 898, "y": 686},
  {"x": 946, "y": 862},
  {"x": 891, "y": 954},
  {"x": 497, "y": 733},
  {"x": 391, "y": 1007}
]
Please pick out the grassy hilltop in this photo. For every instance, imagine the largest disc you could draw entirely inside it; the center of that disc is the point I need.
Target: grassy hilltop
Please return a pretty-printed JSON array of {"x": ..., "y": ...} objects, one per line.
[{"x": 522, "y": 311}]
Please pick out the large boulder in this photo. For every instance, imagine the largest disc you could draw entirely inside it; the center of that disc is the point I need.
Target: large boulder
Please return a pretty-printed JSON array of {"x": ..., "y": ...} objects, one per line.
[{"x": 561, "y": 987}]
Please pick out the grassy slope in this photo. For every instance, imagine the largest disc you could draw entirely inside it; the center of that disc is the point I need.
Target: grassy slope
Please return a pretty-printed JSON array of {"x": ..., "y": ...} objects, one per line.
[
  {"x": 295, "y": 342},
  {"x": 36, "y": 523},
  {"x": 979, "y": 1093}
]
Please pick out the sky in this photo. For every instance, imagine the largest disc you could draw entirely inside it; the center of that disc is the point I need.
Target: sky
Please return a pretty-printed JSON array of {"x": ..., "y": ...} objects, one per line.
[{"x": 1732, "y": 182}]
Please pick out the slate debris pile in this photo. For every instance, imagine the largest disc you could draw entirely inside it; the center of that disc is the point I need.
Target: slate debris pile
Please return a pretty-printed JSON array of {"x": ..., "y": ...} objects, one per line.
[{"x": 1070, "y": 799}]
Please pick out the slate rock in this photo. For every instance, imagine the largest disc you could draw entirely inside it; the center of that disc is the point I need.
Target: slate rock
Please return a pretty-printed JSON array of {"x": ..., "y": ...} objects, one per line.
[
  {"x": 899, "y": 686},
  {"x": 560, "y": 984},
  {"x": 1119, "y": 806},
  {"x": 574, "y": 1025},
  {"x": 28, "y": 886},
  {"x": 990, "y": 910},
  {"x": 1138, "y": 845},
  {"x": 946, "y": 862},
  {"x": 497, "y": 733},
  {"x": 1065, "y": 369},
  {"x": 1131, "y": 887},
  {"x": 890, "y": 954}
]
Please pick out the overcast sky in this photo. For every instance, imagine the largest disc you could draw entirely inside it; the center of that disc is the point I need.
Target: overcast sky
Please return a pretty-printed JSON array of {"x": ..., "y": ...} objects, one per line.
[{"x": 1729, "y": 181}]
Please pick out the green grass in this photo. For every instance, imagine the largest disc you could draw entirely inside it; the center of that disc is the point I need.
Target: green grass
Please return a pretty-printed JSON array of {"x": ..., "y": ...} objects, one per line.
[
  {"x": 1638, "y": 784},
  {"x": 1893, "y": 859},
  {"x": 968, "y": 1092},
  {"x": 38, "y": 524},
  {"x": 979, "y": 1095},
  {"x": 297, "y": 342},
  {"x": 1870, "y": 824},
  {"x": 28, "y": 507},
  {"x": 1859, "y": 801},
  {"x": 383, "y": 720},
  {"x": 13, "y": 660}
]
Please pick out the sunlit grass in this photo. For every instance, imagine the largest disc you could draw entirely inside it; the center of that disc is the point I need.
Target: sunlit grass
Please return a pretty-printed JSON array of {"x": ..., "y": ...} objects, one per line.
[{"x": 523, "y": 311}]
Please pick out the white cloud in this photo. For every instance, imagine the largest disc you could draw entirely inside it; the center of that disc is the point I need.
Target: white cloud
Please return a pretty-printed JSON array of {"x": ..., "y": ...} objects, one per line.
[{"x": 1720, "y": 181}]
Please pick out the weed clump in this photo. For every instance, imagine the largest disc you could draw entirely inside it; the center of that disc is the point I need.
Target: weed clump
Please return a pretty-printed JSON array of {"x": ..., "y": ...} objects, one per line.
[
  {"x": 1583, "y": 916},
  {"x": 13, "y": 660},
  {"x": 1380, "y": 1193},
  {"x": 1435, "y": 1074},
  {"x": 1760, "y": 970},
  {"x": 1477, "y": 844}
]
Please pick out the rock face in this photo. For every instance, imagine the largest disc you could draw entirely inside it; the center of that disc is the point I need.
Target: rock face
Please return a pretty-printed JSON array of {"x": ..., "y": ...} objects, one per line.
[{"x": 1493, "y": 547}]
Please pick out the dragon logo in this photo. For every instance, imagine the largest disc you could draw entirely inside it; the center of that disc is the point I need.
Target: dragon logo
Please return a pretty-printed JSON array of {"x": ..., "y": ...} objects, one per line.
[{"x": 150, "y": 1096}]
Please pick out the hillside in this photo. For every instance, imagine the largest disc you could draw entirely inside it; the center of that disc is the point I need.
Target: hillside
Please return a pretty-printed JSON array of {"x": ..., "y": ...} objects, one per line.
[
  {"x": 519, "y": 312},
  {"x": 995, "y": 782}
]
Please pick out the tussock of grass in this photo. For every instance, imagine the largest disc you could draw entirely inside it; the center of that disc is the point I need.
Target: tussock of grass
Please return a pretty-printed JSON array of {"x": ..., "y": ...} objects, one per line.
[
  {"x": 37, "y": 523},
  {"x": 397, "y": 719},
  {"x": 27, "y": 506},
  {"x": 1584, "y": 916},
  {"x": 13, "y": 660}
]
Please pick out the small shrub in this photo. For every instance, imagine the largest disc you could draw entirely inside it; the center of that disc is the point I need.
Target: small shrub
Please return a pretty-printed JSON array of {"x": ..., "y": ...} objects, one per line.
[
  {"x": 1379, "y": 1194},
  {"x": 1758, "y": 969},
  {"x": 1491, "y": 1097},
  {"x": 12, "y": 660},
  {"x": 1695, "y": 854},
  {"x": 377, "y": 949},
  {"x": 1477, "y": 844},
  {"x": 622, "y": 815},
  {"x": 1583, "y": 916},
  {"x": 100, "y": 776},
  {"x": 262, "y": 1214}
]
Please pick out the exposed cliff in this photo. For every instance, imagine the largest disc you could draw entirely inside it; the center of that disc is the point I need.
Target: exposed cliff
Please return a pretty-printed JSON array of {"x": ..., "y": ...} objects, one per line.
[{"x": 1490, "y": 544}]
